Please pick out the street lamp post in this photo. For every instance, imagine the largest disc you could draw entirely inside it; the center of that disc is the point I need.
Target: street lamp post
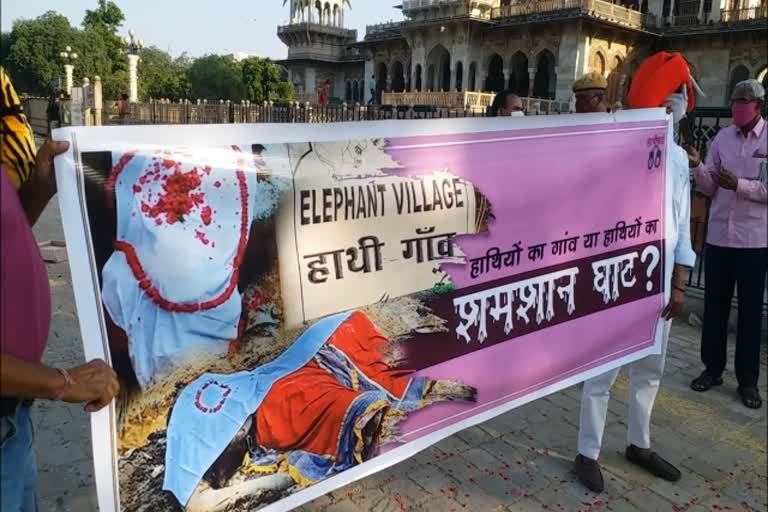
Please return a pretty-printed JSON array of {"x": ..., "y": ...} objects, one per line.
[
  {"x": 132, "y": 45},
  {"x": 69, "y": 57}
]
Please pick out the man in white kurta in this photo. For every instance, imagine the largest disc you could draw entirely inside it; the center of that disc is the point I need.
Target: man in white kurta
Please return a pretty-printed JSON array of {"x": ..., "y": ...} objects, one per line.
[{"x": 645, "y": 374}]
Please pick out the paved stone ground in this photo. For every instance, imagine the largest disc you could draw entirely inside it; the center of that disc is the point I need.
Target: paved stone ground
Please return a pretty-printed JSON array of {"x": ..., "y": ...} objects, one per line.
[{"x": 519, "y": 461}]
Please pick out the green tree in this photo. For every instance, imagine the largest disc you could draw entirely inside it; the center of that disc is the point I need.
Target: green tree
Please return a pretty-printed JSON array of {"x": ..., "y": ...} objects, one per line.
[
  {"x": 263, "y": 80},
  {"x": 216, "y": 77},
  {"x": 160, "y": 76},
  {"x": 5, "y": 46},
  {"x": 107, "y": 16},
  {"x": 33, "y": 51},
  {"x": 99, "y": 36}
]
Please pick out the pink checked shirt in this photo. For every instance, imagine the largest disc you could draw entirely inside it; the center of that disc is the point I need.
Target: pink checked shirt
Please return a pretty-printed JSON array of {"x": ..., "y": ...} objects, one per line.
[{"x": 737, "y": 219}]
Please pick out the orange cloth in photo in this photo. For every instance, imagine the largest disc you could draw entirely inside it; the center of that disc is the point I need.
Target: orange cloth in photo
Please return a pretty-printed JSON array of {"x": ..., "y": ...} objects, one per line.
[
  {"x": 307, "y": 409},
  {"x": 659, "y": 76}
]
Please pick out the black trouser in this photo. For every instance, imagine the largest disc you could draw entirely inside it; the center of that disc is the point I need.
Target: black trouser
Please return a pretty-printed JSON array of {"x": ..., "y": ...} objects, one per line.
[{"x": 746, "y": 269}]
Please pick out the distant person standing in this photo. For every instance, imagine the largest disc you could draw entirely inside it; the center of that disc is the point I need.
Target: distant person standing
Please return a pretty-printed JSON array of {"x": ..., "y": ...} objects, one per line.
[
  {"x": 53, "y": 112},
  {"x": 735, "y": 176},
  {"x": 122, "y": 107},
  {"x": 324, "y": 96},
  {"x": 372, "y": 87}
]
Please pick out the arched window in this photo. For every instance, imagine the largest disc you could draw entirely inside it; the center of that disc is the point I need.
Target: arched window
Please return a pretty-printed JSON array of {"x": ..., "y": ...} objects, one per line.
[
  {"x": 417, "y": 78},
  {"x": 472, "y": 85},
  {"x": 597, "y": 63},
  {"x": 348, "y": 92},
  {"x": 398, "y": 77},
  {"x": 762, "y": 77},
  {"x": 739, "y": 74},
  {"x": 381, "y": 80},
  {"x": 439, "y": 61},
  {"x": 546, "y": 81},
  {"x": 519, "y": 80},
  {"x": 459, "y": 76},
  {"x": 495, "y": 80}
]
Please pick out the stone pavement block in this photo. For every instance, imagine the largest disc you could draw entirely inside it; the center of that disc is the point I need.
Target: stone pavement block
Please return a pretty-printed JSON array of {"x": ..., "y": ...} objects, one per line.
[
  {"x": 622, "y": 504},
  {"x": 564, "y": 401},
  {"x": 452, "y": 445},
  {"x": 645, "y": 499},
  {"x": 675, "y": 363},
  {"x": 751, "y": 497},
  {"x": 345, "y": 505},
  {"x": 722, "y": 502},
  {"x": 432, "y": 478},
  {"x": 64, "y": 453},
  {"x": 558, "y": 437},
  {"x": 690, "y": 490},
  {"x": 469, "y": 466},
  {"x": 474, "y": 497},
  {"x": 406, "y": 491},
  {"x": 442, "y": 504},
  {"x": 84, "y": 501},
  {"x": 365, "y": 499},
  {"x": 318, "y": 505},
  {"x": 475, "y": 435},
  {"x": 511, "y": 422},
  {"x": 558, "y": 468},
  {"x": 503, "y": 452},
  {"x": 556, "y": 500},
  {"x": 525, "y": 504},
  {"x": 705, "y": 470},
  {"x": 428, "y": 456}
]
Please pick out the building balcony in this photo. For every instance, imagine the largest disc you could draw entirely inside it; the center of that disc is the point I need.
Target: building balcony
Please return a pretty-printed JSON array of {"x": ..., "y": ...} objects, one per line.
[
  {"x": 381, "y": 31},
  {"x": 741, "y": 15},
  {"x": 427, "y": 10},
  {"x": 316, "y": 28},
  {"x": 553, "y": 9},
  {"x": 702, "y": 22},
  {"x": 524, "y": 11}
]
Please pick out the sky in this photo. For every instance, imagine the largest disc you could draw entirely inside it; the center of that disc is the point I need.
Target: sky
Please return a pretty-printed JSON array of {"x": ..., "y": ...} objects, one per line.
[{"x": 197, "y": 26}]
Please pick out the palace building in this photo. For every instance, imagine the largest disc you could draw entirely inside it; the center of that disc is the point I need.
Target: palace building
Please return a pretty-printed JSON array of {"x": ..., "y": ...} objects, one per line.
[{"x": 536, "y": 48}]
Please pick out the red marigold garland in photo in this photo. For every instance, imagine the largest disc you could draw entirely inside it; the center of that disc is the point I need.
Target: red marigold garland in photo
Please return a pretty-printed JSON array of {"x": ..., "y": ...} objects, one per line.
[
  {"x": 213, "y": 410},
  {"x": 151, "y": 290}
]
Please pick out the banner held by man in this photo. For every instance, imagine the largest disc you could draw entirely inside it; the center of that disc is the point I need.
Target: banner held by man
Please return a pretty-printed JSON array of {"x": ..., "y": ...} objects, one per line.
[{"x": 288, "y": 317}]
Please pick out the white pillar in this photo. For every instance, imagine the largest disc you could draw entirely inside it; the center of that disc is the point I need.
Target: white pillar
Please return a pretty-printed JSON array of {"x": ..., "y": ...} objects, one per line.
[
  {"x": 98, "y": 101},
  {"x": 68, "y": 71},
  {"x": 133, "y": 80}
]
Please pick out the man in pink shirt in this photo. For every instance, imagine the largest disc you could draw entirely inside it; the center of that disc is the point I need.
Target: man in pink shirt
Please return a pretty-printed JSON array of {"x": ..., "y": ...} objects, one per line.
[
  {"x": 734, "y": 176},
  {"x": 25, "y": 317}
]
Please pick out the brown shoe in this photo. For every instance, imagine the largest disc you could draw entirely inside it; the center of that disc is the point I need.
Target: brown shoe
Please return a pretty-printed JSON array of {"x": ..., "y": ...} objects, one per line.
[
  {"x": 588, "y": 473},
  {"x": 651, "y": 462}
]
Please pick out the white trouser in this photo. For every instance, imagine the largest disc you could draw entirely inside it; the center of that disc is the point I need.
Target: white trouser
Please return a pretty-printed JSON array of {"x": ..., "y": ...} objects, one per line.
[{"x": 644, "y": 378}]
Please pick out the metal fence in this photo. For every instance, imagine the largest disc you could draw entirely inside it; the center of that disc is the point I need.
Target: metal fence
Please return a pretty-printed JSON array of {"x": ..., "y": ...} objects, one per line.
[{"x": 223, "y": 113}]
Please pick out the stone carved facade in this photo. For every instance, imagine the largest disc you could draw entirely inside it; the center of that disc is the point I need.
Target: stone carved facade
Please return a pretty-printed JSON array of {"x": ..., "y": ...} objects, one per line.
[{"x": 537, "y": 48}]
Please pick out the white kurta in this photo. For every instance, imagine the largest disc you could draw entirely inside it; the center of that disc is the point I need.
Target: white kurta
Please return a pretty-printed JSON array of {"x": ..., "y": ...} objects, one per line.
[{"x": 645, "y": 374}]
